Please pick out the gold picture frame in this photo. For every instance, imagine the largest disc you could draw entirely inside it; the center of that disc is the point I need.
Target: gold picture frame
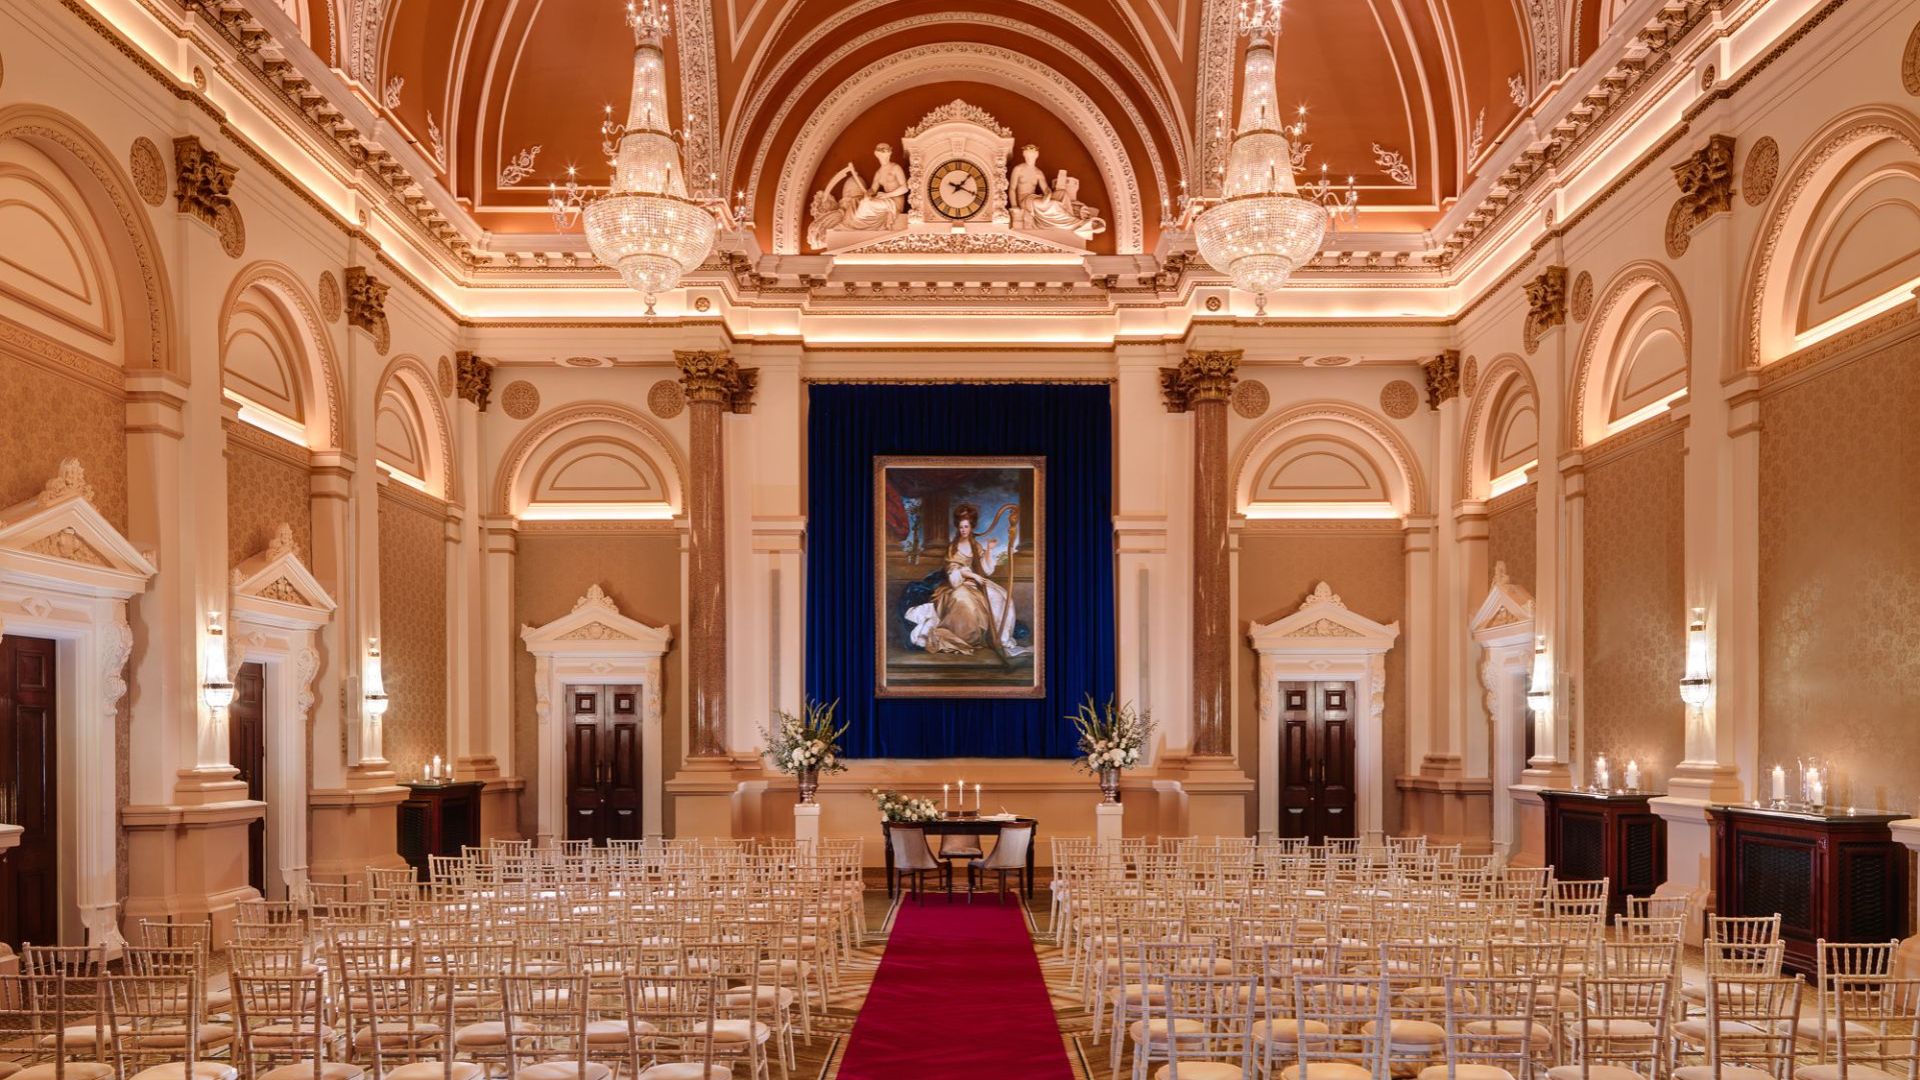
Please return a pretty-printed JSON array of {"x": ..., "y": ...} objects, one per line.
[{"x": 959, "y": 609}]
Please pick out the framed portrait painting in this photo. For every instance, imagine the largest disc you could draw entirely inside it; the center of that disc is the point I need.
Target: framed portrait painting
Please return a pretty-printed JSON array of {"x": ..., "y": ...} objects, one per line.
[{"x": 959, "y": 569}]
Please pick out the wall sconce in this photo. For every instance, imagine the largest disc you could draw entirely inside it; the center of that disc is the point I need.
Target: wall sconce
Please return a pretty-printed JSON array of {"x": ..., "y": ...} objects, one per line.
[
  {"x": 1540, "y": 689},
  {"x": 1696, "y": 685},
  {"x": 215, "y": 688},
  {"x": 376, "y": 696}
]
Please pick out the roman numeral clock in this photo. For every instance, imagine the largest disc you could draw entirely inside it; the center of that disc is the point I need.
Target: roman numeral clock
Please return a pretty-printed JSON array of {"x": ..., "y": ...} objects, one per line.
[{"x": 957, "y": 189}]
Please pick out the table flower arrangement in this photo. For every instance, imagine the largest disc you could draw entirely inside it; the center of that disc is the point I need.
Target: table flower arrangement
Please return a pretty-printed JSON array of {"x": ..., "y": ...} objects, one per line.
[
  {"x": 1112, "y": 738},
  {"x": 897, "y": 807},
  {"x": 806, "y": 746}
]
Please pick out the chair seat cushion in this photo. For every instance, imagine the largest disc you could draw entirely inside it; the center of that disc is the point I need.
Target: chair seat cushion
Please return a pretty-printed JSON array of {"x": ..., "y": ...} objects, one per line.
[
  {"x": 303, "y": 1070},
  {"x": 687, "y": 1070},
  {"x": 1593, "y": 1072},
  {"x": 1619, "y": 1029},
  {"x": 208, "y": 1034},
  {"x": 1465, "y": 1071},
  {"x": 1283, "y": 1030},
  {"x": 565, "y": 1070},
  {"x": 1855, "y": 1071},
  {"x": 1412, "y": 1034},
  {"x": 73, "y": 1070},
  {"x": 1201, "y": 1070},
  {"x": 1138, "y": 993},
  {"x": 739, "y": 1031},
  {"x": 487, "y": 1033},
  {"x": 1157, "y": 1031},
  {"x": 1807, "y": 1029},
  {"x": 1329, "y": 1070},
  {"x": 767, "y": 997},
  {"x": 1539, "y": 1036},
  {"x": 1695, "y": 1031},
  {"x": 177, "y": 1070},
  {"x": 393, "y": 1034},
  {"x": 1724, "y": 1072},
  {"x": 435, "y": 1070},
  {"x": 616, "y": 1031},
  {"x": 277, "y": 1036}
]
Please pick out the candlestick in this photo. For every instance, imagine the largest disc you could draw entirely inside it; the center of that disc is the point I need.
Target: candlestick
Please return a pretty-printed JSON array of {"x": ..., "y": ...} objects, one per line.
[
  {"x": 1633, "y": 775},
  {"x": 1779, "y": 784},
  {"x": 946, "y": 801},
  {"x": 976, "y": 796}
]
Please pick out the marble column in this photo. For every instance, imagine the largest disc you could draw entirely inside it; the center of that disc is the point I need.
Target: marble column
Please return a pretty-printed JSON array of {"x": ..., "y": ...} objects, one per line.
[
  {"x": 715, "y": 385},
  {"x": 1201, "y": 385}
]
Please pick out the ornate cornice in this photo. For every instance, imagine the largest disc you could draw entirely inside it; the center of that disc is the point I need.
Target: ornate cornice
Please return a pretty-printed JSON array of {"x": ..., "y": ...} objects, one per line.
[
  {"x": 711, "y": 377},
  {"x": 203, "y": 183},
  {"x": 1443, "y": 378},
  {"x": 473, "y": 378},
  {"x": 1206, "y": 375}
]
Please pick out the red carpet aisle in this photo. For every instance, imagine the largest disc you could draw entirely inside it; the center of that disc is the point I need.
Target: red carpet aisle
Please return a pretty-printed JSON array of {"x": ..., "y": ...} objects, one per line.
[{"x": 958, "y": 995}]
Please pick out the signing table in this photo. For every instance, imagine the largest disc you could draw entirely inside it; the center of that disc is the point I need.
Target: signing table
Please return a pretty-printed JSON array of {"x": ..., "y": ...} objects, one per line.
[{"x": 959, "y": 826}]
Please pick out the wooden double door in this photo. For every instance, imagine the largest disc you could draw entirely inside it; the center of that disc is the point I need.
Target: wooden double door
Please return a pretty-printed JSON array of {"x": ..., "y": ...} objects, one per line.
[
  {"x": 604, "y": 788},
  {"x": 247, "y": 751},
  {"x": 1316, "y": 760},
  {"x": 29, "y": 791}
]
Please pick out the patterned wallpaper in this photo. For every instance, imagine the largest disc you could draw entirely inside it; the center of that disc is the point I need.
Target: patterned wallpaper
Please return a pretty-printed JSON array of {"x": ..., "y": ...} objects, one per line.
[
  {"x": 1635, "y": 609},
  {"x": 1368, "y": 570},
  {"x": 1511, "y": 535},
  {"x": 1840, "y": 576},
  {"x": 413, "y": 631},
  {"x": 641, "y": 571},
  {"x": 48, "y": 417},
  {"x": 263, "y": 491}
]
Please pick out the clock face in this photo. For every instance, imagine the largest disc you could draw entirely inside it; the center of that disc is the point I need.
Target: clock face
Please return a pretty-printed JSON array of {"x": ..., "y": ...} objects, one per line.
[{"x": 957, "y": 189}]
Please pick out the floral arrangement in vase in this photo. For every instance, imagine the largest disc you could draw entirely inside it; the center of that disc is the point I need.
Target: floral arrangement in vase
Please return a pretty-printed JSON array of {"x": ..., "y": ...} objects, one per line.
[
  {"x": 1111, "y": 739},
  {"x": 897, "y": 807},
  {"x": 807, "y": 745}
]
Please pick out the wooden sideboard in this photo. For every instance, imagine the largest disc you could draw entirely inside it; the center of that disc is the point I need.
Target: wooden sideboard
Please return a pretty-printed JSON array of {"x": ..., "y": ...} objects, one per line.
[
  {"x": 1830, "y": 875},
  {"x": 438, "y": 819},
  {"x": 1614, "y": 836}
]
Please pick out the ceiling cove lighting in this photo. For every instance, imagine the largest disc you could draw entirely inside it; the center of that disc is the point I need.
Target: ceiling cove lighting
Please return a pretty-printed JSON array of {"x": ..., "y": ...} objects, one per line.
[{"x": 1263, "y": 225}]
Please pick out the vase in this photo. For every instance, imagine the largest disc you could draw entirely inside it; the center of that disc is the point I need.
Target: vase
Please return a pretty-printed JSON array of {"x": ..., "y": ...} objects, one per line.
[
  {"x": 809, "y": 780},
  {"x": 1110, "y": 785}
]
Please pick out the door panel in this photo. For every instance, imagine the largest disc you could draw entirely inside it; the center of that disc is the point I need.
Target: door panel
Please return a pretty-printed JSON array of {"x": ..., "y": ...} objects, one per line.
[
  {"x": 603, "y": 764},
  {"x": 247, "y": 751},
  {"x": 29, "y": 791},
  {"x": 1317, "y": 797}
]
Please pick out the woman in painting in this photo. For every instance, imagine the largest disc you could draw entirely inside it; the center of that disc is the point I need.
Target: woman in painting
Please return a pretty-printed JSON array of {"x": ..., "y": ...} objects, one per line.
[{"x": 969, "y": 611}]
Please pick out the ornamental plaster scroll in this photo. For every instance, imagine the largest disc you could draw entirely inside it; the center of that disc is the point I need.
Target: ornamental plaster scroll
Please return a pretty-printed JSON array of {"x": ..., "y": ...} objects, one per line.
[
  {"x": 286, "y": 287},
  {"x": 1506, "y": 368},
  {"x": 1381, "y": 436},
  {"x": 1171, "y": 121},
  {"x": 50, "y": 128},
  {"x": 1860, "y": 128},
  {"x": 699, "y": 95},
  {"x": 1218, "y": 33},
  {"x": 1628, "y": 285},
  {"x": 930, "y": 63}
]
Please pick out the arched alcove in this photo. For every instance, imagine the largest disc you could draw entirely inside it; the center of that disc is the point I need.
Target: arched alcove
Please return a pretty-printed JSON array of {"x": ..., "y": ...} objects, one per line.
[
  {"x": 277, "y": 359},
  {"x": 590, "y": 462},
  {"x": 412, "y": 433},
  {"x": 1327, "y": 459},
  {"x": 1502, "y": 437},
  {"x": 1634, "y": 357}
]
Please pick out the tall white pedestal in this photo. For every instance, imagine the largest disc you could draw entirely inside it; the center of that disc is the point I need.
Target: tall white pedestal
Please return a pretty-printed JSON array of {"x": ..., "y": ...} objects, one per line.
[
  {"x": 1106, "y": 824},
  {"x": 806, "y": 825}
]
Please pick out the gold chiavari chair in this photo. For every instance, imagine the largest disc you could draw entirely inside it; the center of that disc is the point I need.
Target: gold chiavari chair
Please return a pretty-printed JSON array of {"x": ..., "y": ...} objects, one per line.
[
  {"x": 154, "y": 1023},
  {"x": 283, "y": 1030},
  {"x": 1748, "y": 1031},
  {"x": 34, "y": 1021},
  {"x": 1619, "y": 1031},
  {"x": 674, "y": 1019},
  {"x": 1877, "y": 1034},
  {"x": 1488, "y": 1030}
]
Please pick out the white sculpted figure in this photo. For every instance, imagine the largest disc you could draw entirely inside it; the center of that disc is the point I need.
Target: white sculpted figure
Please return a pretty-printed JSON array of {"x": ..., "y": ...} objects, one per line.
[
  {"x": 874, "y": 207},
  {"x": 1035, "y": 204}
]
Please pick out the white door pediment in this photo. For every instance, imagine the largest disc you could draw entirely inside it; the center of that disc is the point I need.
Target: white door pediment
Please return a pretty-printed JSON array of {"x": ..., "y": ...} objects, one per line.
[
  {"x": 1327, "y": 624},
  {"x": 1506, "y": 613},
  {"x": 276, "y": 588},
  {"x": 58, "y": 539}
]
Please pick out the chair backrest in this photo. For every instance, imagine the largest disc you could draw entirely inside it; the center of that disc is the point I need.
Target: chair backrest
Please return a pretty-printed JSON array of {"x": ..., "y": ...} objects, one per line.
[
  {"x": 1743, "y": 929},
  {"x": 1751, "y": 1022},
  {"x": 280, "y": 1018},
  {"x": 1220, "y": 1005},
  {"x": 1489, "y": 1021},
  {"x": 1343, "y": 1019},
  {"x": 910, "y": 848},
  {"x": 399, "y": 1020},
  {"x": 546, "y": 1020},
  {"x": 1609, "y": 1030},
  {"x": 154, "y": 1019},
  {"x": 673, "y": 1018},
  {"x": 1010, "y": 851},
  {"x": 1879, "y": 1025}
]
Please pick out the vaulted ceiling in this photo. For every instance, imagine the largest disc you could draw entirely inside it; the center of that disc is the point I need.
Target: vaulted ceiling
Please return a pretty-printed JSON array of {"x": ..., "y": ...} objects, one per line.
[{"x": 1408, "y": 96}]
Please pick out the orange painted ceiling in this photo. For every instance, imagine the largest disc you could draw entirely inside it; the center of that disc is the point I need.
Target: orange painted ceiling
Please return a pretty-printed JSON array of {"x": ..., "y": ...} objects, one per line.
[{"x": 483, "y": 86}]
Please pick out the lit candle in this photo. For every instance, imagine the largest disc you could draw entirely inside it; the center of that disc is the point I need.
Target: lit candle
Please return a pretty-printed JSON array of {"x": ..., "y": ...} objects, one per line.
[
  {"x": 1779, "y": 784},
  {"x": 1602, "y": 776},
  {"x": 1817, "y": 791},
  {"x": 426, "y": 772},
  {"x": 436, "y": 767},
  {"x": 976, "y": 796},
  {"x": 1633, "y": 775},
  {"x": 946, "y": 802}
]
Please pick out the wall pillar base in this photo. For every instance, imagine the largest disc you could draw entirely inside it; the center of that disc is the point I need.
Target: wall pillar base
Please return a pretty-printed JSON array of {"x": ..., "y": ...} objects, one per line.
[
  {"x": 1689, "y": 849},
  {"x": 1217, "y": 796},
  {"x": 707, "y": 799},
  {"x": 1529, "y": 826},
  {"x": 500, "y": 807},
  {"x": 353, "y": 829},
  {"x": 188, "y": 861},
  {"x": 1448, "y": 808}
]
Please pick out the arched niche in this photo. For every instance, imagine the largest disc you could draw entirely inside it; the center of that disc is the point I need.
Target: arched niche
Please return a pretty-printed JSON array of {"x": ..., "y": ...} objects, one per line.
[
  {"x": 276, "y": 357},
  {"x": 1502, "y": 436},
  {"x": 1840, "y": 241},
  {"x": 1327, "y": 460},
  {"x": 1634, "y": 358},
  {"x": 591, "y": 462},
  {"x": 412, "y": 433},
  {"x": 95, "y": 266}
]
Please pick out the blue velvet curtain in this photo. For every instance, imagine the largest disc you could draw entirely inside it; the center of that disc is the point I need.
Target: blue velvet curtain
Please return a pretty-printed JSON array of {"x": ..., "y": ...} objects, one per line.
[{"x": 847, "y": 426}]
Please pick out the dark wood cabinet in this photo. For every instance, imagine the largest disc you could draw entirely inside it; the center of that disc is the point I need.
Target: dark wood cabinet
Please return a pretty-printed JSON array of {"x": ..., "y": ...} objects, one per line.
[
  {"x": 1617, "y": 837},
  {"x": 438, "y": 819},
  {"x": 1317, "y": 788},
  {"x": 1841, "y": 877}
]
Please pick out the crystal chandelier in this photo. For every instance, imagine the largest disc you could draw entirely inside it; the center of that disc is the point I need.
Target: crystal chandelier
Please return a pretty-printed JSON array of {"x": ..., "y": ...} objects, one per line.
[
  {"x": 645, "y": 225},
  {"x": 1264, "y": 225}
]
